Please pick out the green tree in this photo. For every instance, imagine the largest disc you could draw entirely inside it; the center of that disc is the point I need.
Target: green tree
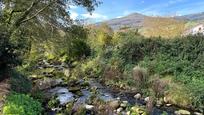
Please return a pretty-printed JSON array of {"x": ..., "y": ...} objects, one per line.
[{"x": 23, "y": 22}]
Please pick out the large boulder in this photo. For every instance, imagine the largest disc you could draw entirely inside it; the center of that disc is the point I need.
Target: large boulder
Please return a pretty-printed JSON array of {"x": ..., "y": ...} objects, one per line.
[{"x": 46, "y": 83}]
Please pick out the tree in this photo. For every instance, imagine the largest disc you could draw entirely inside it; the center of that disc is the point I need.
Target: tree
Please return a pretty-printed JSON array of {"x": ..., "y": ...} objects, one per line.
[
  {"x": 40, "y": 13},
  {"x": 25, "y": 21},
  {"x": 100, "y": 37}
]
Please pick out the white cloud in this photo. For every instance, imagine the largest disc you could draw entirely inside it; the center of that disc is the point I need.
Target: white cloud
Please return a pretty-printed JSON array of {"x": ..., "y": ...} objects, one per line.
[
  {"x": 73, "y": 15},
  {"x": 73, "y": 7},
  {"x": 119, "y": 17},
  {"x": 127, "y": 12},
  {"x": 94, "y": 16}
]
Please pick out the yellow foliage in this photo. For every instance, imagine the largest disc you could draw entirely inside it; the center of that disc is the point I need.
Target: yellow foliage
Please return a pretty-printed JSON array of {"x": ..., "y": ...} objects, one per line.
[{"x": 164, "y": 27}]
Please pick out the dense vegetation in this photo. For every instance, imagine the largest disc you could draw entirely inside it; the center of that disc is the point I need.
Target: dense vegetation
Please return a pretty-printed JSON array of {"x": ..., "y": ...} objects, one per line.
[
  {"x": 23, "y": 25},
  {"x": 176, "y": 63}
]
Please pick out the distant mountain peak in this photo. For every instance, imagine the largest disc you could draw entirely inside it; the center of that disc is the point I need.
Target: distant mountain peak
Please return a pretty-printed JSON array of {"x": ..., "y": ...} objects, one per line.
[{"x": 136, "y": 20}]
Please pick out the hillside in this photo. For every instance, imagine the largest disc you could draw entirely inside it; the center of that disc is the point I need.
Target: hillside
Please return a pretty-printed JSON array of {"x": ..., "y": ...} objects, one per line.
[
  {"x": 135, "y": 20},
  {"x": 191, "y": 17},
  {"x": 165, "y": 27},
  {"x": 156, "y": 26}
]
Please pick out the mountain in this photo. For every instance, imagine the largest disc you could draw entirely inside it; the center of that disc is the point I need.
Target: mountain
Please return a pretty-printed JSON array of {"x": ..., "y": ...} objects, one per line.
[
  {"x": 191, "y": 17},
  {"x": 137, "y": 20},
  {"x": 166, "y": 27},
  {"x": 132, "y": 20}
]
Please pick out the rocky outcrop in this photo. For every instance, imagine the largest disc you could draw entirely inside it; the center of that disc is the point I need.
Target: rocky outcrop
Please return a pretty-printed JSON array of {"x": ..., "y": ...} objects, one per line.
[{"x": 46, "y": 83}]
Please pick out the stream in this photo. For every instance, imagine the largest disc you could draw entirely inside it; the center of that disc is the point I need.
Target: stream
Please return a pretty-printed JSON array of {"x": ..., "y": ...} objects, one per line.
[
  {"x": 108, "y": 95},
  {"x": 78, "y": 94}
]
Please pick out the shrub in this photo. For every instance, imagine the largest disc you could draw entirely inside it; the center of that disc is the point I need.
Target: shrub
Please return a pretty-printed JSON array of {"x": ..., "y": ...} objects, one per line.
[
  {"x": 54, "y": 102},
  {"x": 90, "y": 68},
  {"x": 78, "y": 49},
  {"x": 159, "y": 86},
  {"x": 38, "y": 95},
  {"x": 112, "y": 73},
  {"x": 140, "y": 75},
  {"x": 21, "y": 104},
  {"x": 178, "y": 95},
  {"x": 19, "y": 83}
]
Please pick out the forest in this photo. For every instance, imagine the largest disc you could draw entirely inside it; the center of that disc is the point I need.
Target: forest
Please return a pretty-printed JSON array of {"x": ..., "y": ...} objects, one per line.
[{"x": 53, "y": 65}]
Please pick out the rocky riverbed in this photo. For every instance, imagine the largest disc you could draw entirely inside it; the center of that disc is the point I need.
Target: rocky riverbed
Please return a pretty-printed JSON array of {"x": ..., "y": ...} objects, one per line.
[{"x": 90, "y": 97}]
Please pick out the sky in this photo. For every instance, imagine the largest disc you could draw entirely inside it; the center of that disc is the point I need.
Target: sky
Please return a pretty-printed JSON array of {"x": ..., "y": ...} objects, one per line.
[{"x": 110, "y": 9}]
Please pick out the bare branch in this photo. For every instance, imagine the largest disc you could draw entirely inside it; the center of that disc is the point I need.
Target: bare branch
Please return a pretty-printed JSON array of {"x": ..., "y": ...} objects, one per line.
[
  {"x": 26, "y": 13},
  {"x": 11, "y": 14},
  {"x": 38, "y": 12}
]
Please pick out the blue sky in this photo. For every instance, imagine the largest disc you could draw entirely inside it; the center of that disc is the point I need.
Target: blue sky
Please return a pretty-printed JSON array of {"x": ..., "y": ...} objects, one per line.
[{"x": 117, "y": 8}]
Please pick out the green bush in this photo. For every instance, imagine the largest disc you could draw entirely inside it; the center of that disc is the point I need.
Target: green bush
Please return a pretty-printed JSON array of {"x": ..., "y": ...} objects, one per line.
[
  {"x": 20, "y": 83},
  {"x": 53, "y": 102},
  {"x": 21, "y": 104},
  {"x": 78, "y": 49},
  {"x": 182, "y": 58}
]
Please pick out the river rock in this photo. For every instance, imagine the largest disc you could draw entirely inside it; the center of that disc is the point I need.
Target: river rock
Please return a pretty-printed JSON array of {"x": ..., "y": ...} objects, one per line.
[
  {"x": 159, "y": 103},
  {"x": 67, "y": 72},
  {"x": 147, "y": 99},
  {"x": 128, "y": 113},
  {"x": 118, "y": 98},
  {"x": 74, "y": 89},
  {"x": 119, "y": 110},
  {"x": 168, "y": 105},
  {"x": 165, "y": 100},
  {"x": 138, "y": 110},
  {"x": 182, "y": 112},
  {"x": 197, "y": 113},
  {"x": 46, "y": 83},
  {"x": 89, "y": 107},
  {"x": 114, "y": 104},
  {"x": 138, "y": 96},
  {"x": 124, "y": 104}
]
